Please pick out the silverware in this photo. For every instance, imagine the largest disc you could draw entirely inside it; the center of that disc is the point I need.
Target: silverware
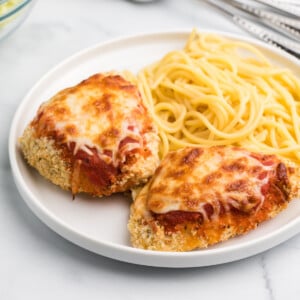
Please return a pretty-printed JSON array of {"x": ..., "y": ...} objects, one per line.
[
  {"x": 286, "y": 25},
  {"x": 290, "y": 2},
  {"x": 271, "y": 34},
  {"x": 282, "y": 6}
]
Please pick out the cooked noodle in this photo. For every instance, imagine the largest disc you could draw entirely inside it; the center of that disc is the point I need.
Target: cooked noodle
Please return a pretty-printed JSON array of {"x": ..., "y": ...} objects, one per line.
[{"x": 218, "y": 91}]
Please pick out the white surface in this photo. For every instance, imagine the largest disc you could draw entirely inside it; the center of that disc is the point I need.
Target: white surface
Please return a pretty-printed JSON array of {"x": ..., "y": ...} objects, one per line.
[
  {"x": 100, "y": 225},
  {"x": 36, "y": 263}
]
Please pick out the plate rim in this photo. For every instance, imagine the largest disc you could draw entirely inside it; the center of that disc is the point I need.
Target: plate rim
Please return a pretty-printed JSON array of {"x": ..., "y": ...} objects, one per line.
[{"x": 128, "y": 253}]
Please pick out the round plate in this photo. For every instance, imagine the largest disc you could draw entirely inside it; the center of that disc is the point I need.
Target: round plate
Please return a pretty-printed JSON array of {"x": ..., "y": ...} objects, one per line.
[{"x": 100, "y": 225}]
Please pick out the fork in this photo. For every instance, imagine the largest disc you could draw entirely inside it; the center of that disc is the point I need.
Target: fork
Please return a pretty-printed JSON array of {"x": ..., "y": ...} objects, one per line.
[
  {"x": 283, "y": 6},
  {"x": 276, "y": 23},
  {"x": 286, "y": 25}
]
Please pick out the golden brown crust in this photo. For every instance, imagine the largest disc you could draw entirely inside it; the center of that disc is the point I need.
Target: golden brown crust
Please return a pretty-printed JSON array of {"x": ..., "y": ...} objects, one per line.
[
  {"x": 294, "y": 178},
  {"x": 184, "y": 231},
  {"x": 147, "y": 233},
  {"x": 96, "y": 137},
  {"x": 42, "y": 154}
]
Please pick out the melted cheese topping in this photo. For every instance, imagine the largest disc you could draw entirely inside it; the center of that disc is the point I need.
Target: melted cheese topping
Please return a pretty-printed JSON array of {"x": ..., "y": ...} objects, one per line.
[
  {"x": 102, "y": 112},
  {"x": 221, "y": 177}
]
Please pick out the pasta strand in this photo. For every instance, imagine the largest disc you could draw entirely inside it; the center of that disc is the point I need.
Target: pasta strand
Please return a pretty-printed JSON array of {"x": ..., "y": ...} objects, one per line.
[{"x": 221, "y": 92}]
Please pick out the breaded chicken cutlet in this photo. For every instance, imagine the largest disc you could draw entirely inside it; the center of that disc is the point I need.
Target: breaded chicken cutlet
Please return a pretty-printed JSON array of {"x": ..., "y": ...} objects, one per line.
[
  {"x": 96, "y": 137},
  {"x": 202, "y": 196}
]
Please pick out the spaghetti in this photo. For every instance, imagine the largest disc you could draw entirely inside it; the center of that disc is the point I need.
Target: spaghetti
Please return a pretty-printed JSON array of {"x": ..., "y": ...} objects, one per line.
[{"x": 223, "y": 92}]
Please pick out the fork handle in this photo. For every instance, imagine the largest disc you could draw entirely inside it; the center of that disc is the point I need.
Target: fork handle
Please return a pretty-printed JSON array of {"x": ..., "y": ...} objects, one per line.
[
  {"x": 281, "y": 6},
  {"x": 268, "y": 36},
  {"x": 283, "y": 24},
  {"x": 264, "y": 14}
]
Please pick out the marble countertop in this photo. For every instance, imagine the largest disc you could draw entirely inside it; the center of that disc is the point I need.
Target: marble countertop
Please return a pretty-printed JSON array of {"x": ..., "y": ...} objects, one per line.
[{"x": 35, "y": 262}]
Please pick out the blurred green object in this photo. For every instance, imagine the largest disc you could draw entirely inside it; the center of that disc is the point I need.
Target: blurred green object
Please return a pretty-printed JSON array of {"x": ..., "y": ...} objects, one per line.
[
  {"x": 7, "y": 5},
  {"x": 12, "y": 14}
]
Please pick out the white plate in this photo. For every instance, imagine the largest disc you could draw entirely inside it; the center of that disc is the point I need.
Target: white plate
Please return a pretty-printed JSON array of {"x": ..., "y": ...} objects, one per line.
[{"x": 100, "y": 225}]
